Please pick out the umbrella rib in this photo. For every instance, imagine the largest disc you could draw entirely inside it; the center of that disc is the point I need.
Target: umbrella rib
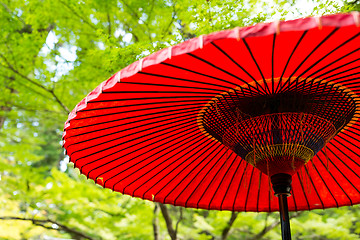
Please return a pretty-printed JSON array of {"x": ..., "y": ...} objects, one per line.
[
  {"x": 194, "y": 147},
  {"x": 257, "y": 65},
  {"x": 190, "y": 108},
  {"x": 142, "y": 98},
  {"x": 342, "y": 144},
  {"x": 201, "y": 101},
  {"x": 334, "y": 69},
  {"x": 161, "y": 140},
  {"x": 98, "y": 167},
  {"x": 304, "y": 60},
  {"x": 134, "y": 127},
  {"x": 293, "y": 198},
  {"x": 219, "y": 68},
  {"x": 341, "y": 45},
  {"x": 325, "y": 107},
  {"x": 354, "y": 124},
  {"x": 333, "y": 177},
  {"x": 229, "y": 106},
  {"x": 211, "y": 181},
  {"x": 157, "y": 92},
  {"x": 193, "y": 138},
  {"x": 186, "y": 131},
  {"x": 220, "y": 184},
  {"x": 170, "y": 86},
  {"x": 342, "y": 77},
  {"x": 136, "y": 110},
  {"x": 223, "y": 109},
  {"x": 197, "y": 204},
  {"x": 238, "y": 189},
  {"x": 303, "y": 190},
  {"x": 327, "y": 83},
  {"x": 346, "y": 134},
  {"x": 205, "y": 175},
  {"x": 249, "y": 187},
  {"x": 321, "y": 43},
  {"x": 220, "y": 120},
  {"x": 180, "y": 182},
  {"x": 312, "y": 183},
  {"x": 192, "y": 134},
  {"x": 242, "y": 68},
  {"x": 190, "y": 80},
  {"x": 174, "y": 112},
  {"x": 337, "y": 106},
  {"x": 288, "y": 61},
  {"x": 232, "y": 178},
  {"x": 272, "y": 63},
  {"x": 204, "y": 166},
  {"x": 258, "y": 196},
  {"x": 332, "y": 63},
  {"x": 355, "y": 85},
  {"x": 164, "y": 200},
  {"x": 341, "y": 172},
  {"x": 170, "y": 113},
  {"x": 179, "y": 119},
  {"x": 192, "y": 71},
  {"x": 164, "y": 132},
  {"x": 135, "y": 133},
  {"x": 315, "y": 167}
]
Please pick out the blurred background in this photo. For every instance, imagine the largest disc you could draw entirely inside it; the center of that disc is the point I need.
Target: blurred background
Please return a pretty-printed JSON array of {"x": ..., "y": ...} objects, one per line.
[{"x": 52, "y": 53}]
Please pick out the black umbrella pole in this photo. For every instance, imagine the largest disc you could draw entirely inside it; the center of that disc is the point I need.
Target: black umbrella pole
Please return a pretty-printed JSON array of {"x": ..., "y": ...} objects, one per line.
[
  {"x": 284, "y": 217},
  {"x": 282, "y": 187}
]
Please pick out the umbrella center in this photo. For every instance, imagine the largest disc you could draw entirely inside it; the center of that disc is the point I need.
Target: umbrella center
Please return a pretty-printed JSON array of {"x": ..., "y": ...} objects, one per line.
[{"x": 278, "y": 130}]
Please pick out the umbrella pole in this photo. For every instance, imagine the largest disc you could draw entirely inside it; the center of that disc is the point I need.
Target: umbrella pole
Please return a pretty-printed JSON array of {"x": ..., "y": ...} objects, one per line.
[
  {"x": 284, "y": 217},
  {"x": 282, "y": 186}
]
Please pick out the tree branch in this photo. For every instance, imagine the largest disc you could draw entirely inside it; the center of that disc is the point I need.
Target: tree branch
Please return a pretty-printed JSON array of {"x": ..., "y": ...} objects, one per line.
[
  {"x": 112, "y": 214},
  {"x": 3, "y": 117},
  {"x": 155, "y": 222},
  {"x": 10, "y": 67},
  {"x": 76, "y": 14},
  {"x": 168, "y": 221},
  {"x": 109, "y": 22},
  {"x": 231, "y": 221},
  {"x": 182, "y": 29},
  {"x": 271, "y": 227},
  {"x": 58, "y": 101},
  {"x": 127, "y": 28},
  {"x": 179, "y": 220},
  {"x": 137, "y": 18},
  {"x": 12, "y": 13},
  {"x": 42, "y": 223},
  {"x": 173, "y": 15},
  {"x": 151, "y": 9},
  {"x": 6, "y": 108},
  {"x": 354, "y": 2}
]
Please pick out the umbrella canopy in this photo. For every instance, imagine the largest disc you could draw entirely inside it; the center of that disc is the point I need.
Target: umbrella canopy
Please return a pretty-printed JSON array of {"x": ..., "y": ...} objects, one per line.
[{"x": 207, "y": 122}]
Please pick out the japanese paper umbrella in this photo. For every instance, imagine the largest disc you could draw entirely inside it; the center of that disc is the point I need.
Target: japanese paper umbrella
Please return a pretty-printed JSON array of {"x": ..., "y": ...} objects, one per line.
[{"x": 226, "y": 120}]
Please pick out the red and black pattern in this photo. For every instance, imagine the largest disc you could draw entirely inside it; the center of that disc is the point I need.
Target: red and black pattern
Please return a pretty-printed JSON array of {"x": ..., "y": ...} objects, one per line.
[{"x": 138, "y": 132}]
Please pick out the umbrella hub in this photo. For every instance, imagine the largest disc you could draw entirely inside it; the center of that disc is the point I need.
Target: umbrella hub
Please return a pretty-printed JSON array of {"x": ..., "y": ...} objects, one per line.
[
  {"x": 278, "y": 132},
  {"x": 279, "y": 142}
]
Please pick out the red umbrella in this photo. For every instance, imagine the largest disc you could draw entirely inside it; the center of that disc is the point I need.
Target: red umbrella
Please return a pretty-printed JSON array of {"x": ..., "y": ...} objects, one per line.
[{"x": 212, "y": 122}]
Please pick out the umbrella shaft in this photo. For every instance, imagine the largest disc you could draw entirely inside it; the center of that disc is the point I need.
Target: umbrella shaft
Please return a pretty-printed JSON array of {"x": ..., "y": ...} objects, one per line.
[{"x": 284, "y": 217}]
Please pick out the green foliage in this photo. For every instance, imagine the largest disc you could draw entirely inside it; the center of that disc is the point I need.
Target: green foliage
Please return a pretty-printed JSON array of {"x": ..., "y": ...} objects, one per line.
[{"x": 52, "y": 53}]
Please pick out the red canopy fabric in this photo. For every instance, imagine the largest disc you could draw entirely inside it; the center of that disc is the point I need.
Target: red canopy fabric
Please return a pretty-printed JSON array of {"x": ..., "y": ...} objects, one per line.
[{"x": 137, "y": 133}]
